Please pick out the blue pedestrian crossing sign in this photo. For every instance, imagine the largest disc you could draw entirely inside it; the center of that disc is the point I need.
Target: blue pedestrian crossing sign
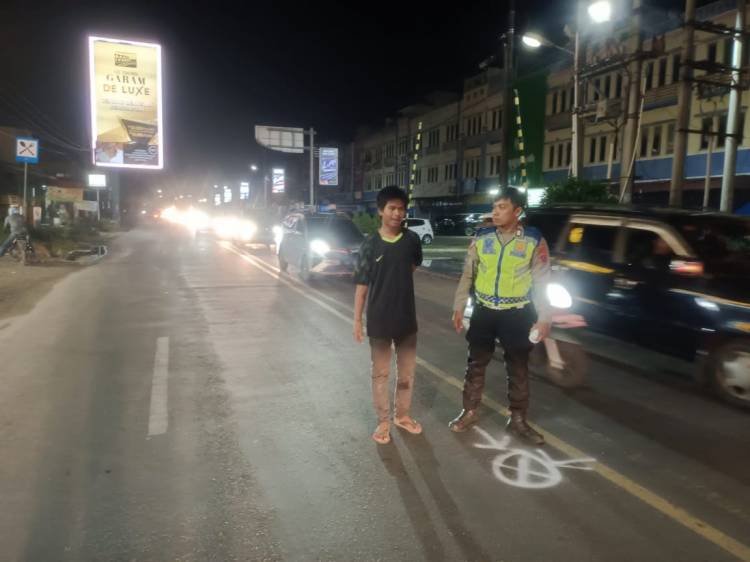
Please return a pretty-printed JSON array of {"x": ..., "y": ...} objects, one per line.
[{"x": 27, "y": 150}]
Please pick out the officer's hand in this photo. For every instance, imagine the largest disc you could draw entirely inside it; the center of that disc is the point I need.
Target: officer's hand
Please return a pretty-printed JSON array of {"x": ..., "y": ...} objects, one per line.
[
  {"x": 358, "y": 335},
  {"x": 544, "y": 329},
  {"x": 458, "y": 321}
]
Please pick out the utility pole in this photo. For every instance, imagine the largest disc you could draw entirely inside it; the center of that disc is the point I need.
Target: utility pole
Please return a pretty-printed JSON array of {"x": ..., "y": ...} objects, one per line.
[
  {"x": 508, "y": 47},
  {"x": 733, "y": 118},
  {"x": 312, "y": 166},
  {"x": 576, "y": 161},
  {"x": 684, "y": 98},
  {"x": 633, "y": 108}
]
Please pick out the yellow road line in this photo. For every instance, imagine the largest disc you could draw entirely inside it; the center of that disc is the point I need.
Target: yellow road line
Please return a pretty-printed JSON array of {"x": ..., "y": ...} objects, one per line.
[{"x": 677, "y": 514}]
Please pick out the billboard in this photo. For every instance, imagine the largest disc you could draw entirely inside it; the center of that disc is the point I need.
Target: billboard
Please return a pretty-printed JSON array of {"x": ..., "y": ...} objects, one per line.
[
  {"x": 329, "y": 166},
  {"x": 278, "y": 180},
  {"x": 244, "y": 190},
  {"x": 282, "y": 139},
  {"x": 126, "y": 103}
]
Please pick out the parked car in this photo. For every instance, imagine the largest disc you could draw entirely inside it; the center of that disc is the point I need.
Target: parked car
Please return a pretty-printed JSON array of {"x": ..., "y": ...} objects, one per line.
[
  {"x": 422, "y": 228},
  {"x": 462, "y": 224},
  {"x": 675, "y": 282},
  {"x": 319, "y": 244}
]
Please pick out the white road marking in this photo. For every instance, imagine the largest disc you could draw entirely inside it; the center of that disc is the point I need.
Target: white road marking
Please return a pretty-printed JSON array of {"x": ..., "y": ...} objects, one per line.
[{"x": 158, "y": 419}]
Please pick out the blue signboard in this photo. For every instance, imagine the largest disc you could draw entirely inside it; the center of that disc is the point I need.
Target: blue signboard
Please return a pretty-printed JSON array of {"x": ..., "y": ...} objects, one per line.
[
  {"x": 329, "y": 166},
  {"x": 27, "y": 150}
]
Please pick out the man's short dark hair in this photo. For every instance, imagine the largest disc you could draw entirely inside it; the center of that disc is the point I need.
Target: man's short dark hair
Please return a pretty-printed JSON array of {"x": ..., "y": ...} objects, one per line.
[
  {"x": 512, "y": 194},
  {"x": 389, "y": 193}
]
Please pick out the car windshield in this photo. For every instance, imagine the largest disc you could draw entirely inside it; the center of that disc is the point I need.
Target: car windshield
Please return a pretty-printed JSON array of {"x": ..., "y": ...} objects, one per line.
[{"x": 342, "y": 230}]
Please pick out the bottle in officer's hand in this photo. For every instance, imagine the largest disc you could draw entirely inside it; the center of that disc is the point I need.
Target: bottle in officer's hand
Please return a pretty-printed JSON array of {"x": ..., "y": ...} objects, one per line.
[{"x": 534, "y": 336}]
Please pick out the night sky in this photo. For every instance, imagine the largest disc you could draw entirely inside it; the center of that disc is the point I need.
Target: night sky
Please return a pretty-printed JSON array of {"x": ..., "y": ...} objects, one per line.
[{"x": 229, "y": 66}]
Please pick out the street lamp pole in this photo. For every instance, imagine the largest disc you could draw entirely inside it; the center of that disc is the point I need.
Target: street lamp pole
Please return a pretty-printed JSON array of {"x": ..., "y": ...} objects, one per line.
[
  {"x": 576, "y": 133},
  {"x": 507, "y": 92}
]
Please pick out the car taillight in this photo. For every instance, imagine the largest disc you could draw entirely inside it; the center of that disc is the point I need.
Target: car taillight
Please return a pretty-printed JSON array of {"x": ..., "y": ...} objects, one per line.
[{"x": 687, "y": 268}]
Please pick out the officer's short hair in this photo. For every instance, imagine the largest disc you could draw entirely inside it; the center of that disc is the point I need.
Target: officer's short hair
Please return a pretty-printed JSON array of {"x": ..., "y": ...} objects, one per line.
[
  {"x": 389, "y": 193},
  {"x": 513, "y": 195}
]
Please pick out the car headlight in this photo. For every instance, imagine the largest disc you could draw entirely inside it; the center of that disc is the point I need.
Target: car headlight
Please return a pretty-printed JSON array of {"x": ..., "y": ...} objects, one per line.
[
  {"x": 319, "y": 247},
  {"x": 559, "y": 296},
  {"x": 247, "y": 230}
]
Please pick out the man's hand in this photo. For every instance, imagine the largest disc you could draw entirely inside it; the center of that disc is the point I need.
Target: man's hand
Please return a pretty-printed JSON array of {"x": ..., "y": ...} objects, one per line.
[
  {"x": 358, "y": 334},
  {"x": 544, "y": 329},
  {"x": 458, "y": 321}
]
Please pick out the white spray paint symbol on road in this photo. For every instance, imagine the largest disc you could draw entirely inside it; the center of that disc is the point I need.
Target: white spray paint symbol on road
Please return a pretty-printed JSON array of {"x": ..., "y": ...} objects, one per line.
[{"x": 532, "y": 470}]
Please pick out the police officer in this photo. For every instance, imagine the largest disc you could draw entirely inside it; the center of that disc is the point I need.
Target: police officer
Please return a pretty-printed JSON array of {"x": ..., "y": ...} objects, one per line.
[{"x": 506, "y": 264}]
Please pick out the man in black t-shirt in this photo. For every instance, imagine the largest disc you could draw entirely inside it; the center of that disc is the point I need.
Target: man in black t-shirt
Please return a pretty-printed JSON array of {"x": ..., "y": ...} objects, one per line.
[{"x": 384, "y": 277}]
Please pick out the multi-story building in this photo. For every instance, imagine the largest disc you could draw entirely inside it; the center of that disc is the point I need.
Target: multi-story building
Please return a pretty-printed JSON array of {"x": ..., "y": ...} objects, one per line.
[
  {"x": 604, "y": 98},
  {"x": 457, "y": 159}
]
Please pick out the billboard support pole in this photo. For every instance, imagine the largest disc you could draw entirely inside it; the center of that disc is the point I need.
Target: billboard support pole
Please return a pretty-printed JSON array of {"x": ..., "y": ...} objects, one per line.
[
  {"x": 25, "y": 184},
  {"x": 312, "y": 166}
]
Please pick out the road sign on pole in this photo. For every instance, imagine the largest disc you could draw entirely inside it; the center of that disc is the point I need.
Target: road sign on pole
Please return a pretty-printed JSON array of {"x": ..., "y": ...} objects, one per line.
[
  {"x": 27, "y": 150},
  {"x": 281, "y": 139}
]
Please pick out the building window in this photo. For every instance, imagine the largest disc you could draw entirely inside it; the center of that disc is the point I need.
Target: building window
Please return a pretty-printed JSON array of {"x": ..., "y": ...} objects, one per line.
[
  {"x": 644, "y": 143},
  {"x": 434, "y": 137},
  {"x": 560, "y": 149},
  {"x": 602, "y": 149},
  {"x": 432, "y": 175},
  {"x": 662, "y": 78},
  {"x": 496, "y": 122},
  {"x": 418, "y": 177},
  {"x": 676, "y": 62},
  {"x": 403, "y": 146},
  {"x": 721, "y": 138},
  {"x": 551, "y": 159},
  {"x": 656, "y": 141},
  {"x": 607, "y": 86},
  {"x": 649, "y": 75},
  {"x": 563, "y": 101},
  {"x": 618, "y": 86},
  {"x": 670, "y": 138},
  {"x": 390, "y": 150},
  {"x": 592, "y": 150},
  {"x": 597, "y": 89},
  {"x": 451, "y": 132},
  {"x": 568, "y": 150},
  {"x": 711, "y": 56}
]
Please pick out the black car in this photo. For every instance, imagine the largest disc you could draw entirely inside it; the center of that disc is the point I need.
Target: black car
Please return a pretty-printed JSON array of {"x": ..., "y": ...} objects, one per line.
[
  {"x": 319, "y": 244},
  {"x": 676, "y": 282},
  {"x": 463, "y": 224}
]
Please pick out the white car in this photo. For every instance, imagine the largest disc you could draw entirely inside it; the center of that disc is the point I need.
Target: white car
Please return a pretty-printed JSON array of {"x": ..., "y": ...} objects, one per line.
[{"x": 423, "y": 228}]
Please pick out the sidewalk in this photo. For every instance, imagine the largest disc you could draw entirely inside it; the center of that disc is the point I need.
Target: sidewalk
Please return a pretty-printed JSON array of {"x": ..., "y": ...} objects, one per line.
[{"x": 21, "y": 287}]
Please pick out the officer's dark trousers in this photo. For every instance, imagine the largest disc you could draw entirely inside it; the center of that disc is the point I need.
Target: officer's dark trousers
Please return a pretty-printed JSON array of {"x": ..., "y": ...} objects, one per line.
[{"x": 511, "y": 328}]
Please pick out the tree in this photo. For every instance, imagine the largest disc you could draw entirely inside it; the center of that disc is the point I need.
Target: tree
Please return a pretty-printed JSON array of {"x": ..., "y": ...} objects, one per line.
[{"x": 575, "y": 190}]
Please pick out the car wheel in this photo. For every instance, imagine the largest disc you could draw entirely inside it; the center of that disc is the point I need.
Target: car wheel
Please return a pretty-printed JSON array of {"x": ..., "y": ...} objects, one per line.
[
  {"x": 469, "y": 231},
  {"x": 729, "y": 372},
  {"x": 575, "y": 364},
  {"x": 304, "y": 269},
  {"x": 426, "y": 239}
]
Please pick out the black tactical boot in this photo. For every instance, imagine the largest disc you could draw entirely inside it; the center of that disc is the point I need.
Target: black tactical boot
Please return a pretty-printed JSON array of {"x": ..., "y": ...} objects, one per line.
[
  {"x": 518, "y": 426},
  {"x": 465, "y": 419}
]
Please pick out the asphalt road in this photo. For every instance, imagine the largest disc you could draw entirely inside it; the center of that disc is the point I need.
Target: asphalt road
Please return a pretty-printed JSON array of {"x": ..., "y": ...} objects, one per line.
[{"x": 184, "y": 400}]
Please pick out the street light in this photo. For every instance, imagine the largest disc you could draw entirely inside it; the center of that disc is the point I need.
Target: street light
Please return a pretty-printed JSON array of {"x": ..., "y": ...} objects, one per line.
[
  {"x": 254, "y": 168},
  {"x": 531, "y": 40},
  {"x": 600, "y": 11}
]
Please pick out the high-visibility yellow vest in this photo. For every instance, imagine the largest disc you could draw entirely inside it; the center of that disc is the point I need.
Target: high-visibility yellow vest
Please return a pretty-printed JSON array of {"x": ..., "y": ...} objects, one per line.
[{"x": 504, "y": 272}]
